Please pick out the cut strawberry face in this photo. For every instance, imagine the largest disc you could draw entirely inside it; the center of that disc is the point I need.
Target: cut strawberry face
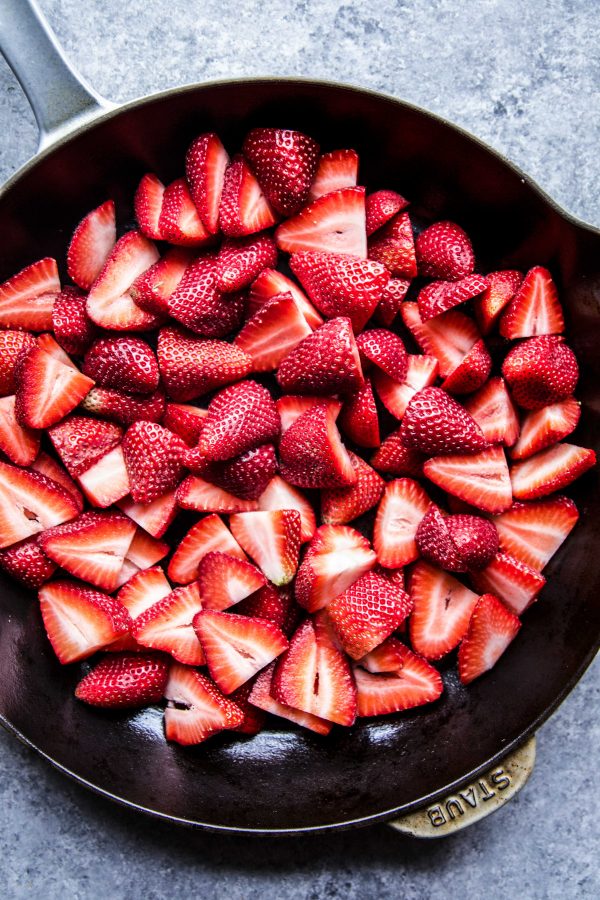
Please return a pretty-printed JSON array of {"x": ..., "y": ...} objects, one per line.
[
  {"x": 442, "y": 611},
  {"x": 481, "y": 479},
  {"x": 254, "y": 718},
  {"x": 325, "y": 362},
  {"x": 27, "y": 563},
  {"x": 291, "y": 407},
  {"x": 190, "y": 367},
  {"x": 359, "y": 419},
  {"x": 196, "y": 708},
  {"x": 261, "y": 696},
  {"x": 47, "y": 389},
  {"x": 202, "y": 496},
  {"x": 491, "y": 629},
  {"x": 26, "y": 299},
  {"x": 445, "y": 251},
  {"x": 493, "y": 410},
  {"x": 436, "y": 424},
  {"x": 403, "y": 505},
  {"x": 207, "y": 535},
  {"x": 147, "y": 204},
  {"x": 449, "y": 337},
  {"x": 533, "y": 532},
  {"x": 336, "y": 170},
  {"x": 472, "y": 372},
  {"x": 240, "y": 261},
  {"x": 205, "y": 165},
  {"x": 19, "y": 444},
  {"x": 312, "y": 454},
  {"x": 334, "y": 223},
  {"x": 336, "y": 557},
  {"x": 184, "y": 420},
  {"x": 342, "y": 505},
  {"x": 179, "y": 222},
  {"x": 412, "y": 682},
  {"x": 243, "y": 208},
  {"x": 90, "y": 246},
  {"x": 224, "y": 580},
  {"x": 109, "y": 302},
  {"x": 273, "y": 332},
  {"x": 272, "y": 283},
  {"x": 550, "y": 470},
  {"x": 167, "y": 625},
  {"x": 125, "y": 681},
  {"x": 144, "y": 590},
  {"x": 534, "y": 309},
  {"x": 500, "y": 290},
  {"x": 381, "y": 206},
  {"x": 239, "y": 418},
  {"x": 421, "y": 371},
  {"x": 544, "y": 427},
  {"x": 393, "y": 246},
  {"x": 107, "y": 481},
  {"x": 285, "y": 163},
  {"x": 514, "y": 582},
  {"x": 278, "y": 494},
  {"x": 30, "y": 503},
  {"x": 271, "y": 539},
  {"x": 45, "y": 465},
  {"x": 154, "y": 517}
]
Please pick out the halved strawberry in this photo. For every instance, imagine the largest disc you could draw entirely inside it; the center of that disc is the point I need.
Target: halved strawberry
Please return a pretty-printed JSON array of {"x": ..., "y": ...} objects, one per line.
[
  {"x": 243, "y": 207},
  {"x": 359, "y": 419},
  {"x": 154, "y": 517},
  {"x": 13, "y": 348},
  {"x": 241, "y": 260},
  {"x": 275, "y": 604},
  {"x": 185, "y": 420},
  {"x": 278, "y": 494},
  {"x": 147, "y": 205},
  {"x": 493, "y": 410},
  {"x": 30, "y": 503},
  {"x": 271, "y": 283},
  {"x": 412, "y": 682},
  {"x": 198, "y": 304},
  {"x": 205, "y": 164},
  {"x": 143, "y": 590},
  {"x": 448, "y": 337},
  {"x": 434, "y": 423},
  {"x": 541, "y": 428},
  {"x": 179, "y": 222},
  {"x": 271, "y": 539},
  {"x": 123, "y": 363},
  {"x": 311, "y": 452},
  {"x": 510, "y": 579},
  {"x": 342, "y": 505},
  {"x": 391, "y": 300},
  {"x": 285, "y": 163},
  {"x": 457, "y": 543},
  {"x": 47, "y": 343},
  {"x": 533, "y": 532},
  {"x": 245, "y": 476},
  {"x": 79, "y": 621},
  {"x": 19, "y": 444},
  {"x": 254, "y": 718},
  {"x": 394, "y": 458},
  {"x": 48, "y": 466},
  {"x": 325, "y": 362},
  {"x": 438, "y": 297},
  {"x": 224, "y": 580},
  {"x": 491, "y": 630},
  {"x": 239, "y": 418},
  {"x": 499, "y": 292},
  {"x": 80, "y": 441},
  {"x": 550, "y": 470},
  {"x": 442, "y": 610},
  {"x": 125, "y": 408},
  {"x": 334, "y": 223},
  {"x": 144, "y": 551},
  {"x": 106, "y": 481},
  {"x": 209, "y": 534},
  {"x": 421, "y": 371},
  {"x": 336, "y": 557},
  {"x": 47, "y": 389},
  {"x": 445, "y": 251},
  {"x": 202, "y": 496},
  {"x": 481, "y": 479},
  {"x": 273, "y": 332},
  {"x": 384, "y": 350},
  {"x": 261, "y": 696},
  {"x": 196, "y": 708},
  {"x": 336, "y": 170},
  {"x": 26, "y": 299},
  {"x": 125, "y": 681},
  {"x": 167, "y": 625},
  {"x": 153, "y": 457},
  {"x": 291, "y": 406},
  {"x": 27, "y": 563},
  {"x": 393, "y": 246},
  {"x": 72, "y": 327},
  {"x": 534, "y": 309},
  {"x": 403, "y": 505},
  {"x": 190, "y": 366},
  {"x": 151, "y": 290},
  {"x": 471, "y": 373},
  {"x": 540, "y": 371},
  {"x": 90, "y": 246},
  {"x": 381, "y": 206}
]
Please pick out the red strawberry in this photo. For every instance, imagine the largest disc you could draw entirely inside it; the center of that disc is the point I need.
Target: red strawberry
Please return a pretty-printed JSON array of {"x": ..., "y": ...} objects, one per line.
[
  {"x": 26, "y": 299},
  {"x": 444, "y": 251},
  {"x": 145, "y": 551},
  {"x": 239, "y": 418},
  {"x": 334, "y": 224},
  {"x": 435, "y": 544},
  {"x": 278, "y": 494},
  {"x": 190, "y": 366},
  {"x": 513, "y": 581},
  {"x": 273, "y": 332},
  {"x": 47, "y": 343},
  {"x": 154, "y": 517},
  {"x": 403, "y": 505},
  {"x": 436, "y": 424},
  {"x": 167, "y": 625},
  {"x": 340, "y": 284},
  {"x": 196, "y": 708},
  {"x": 261, "y": 696},
  {"x": 448, "y": 337},
  {"x": 275, "y": 604},
  {"x": 271, "y": 283},
  {"x": 421, "y": 371},
  {"x": 202, "y": 496},
  {"x": 439, "y": 296},
  {"x": 47, "y": 389},
  {"x": 391, "y": 300},
  {"x": 124, "y": 408},
  {"x": 475, "y": 538},
  {"x": 26, "y": 562},
  {"x": 79, "y": 621},
  {"x": 540, "y": 371},
  {"x": 341, "y": 505},
  {"x": 245, "y": 476},
  {"x": 367, "y": 612},
  {"x": 243, "y": 208},
  {"x": 312, "y": 454},
  {"x": 543, "y": 427},
  {"x": 144, "y": 590},
  {"x": 394, "y": 458},
  {"x": 336, "y": 170},
  {"x": 550, "y": 470},
  {"x": 291, "y": 407},
  {"x": 285, "y": 163},
  {"x": 493, "y": 410},
  {"x": 359, "y": 419},
  {"x": 499, "y": 292},
  {"x": 81, "y": 441},
  {"x": 147, "y": 204},
  {"x": 240, "y": 261},
  {"x": 472, "y": 372},
  {"x": 200, "y": 306},
  {"x": 336, "y": 557},
  {"x": 30, "y": 503},
  {"x": 124, "y": 681},
  {"x": 106, "y": 481},
  {"x": 272, "y": 539},
  {"x": 385, "y": 350},
  {"x": 72, "y": 327},
  {"x": 224, "y": 580},
  {"x": 254, "y": 718},
  {"x": 534, "y": 309},
  {"x": 21, "y": 445},
  {"x": 442, "y": 611},
  {"x": 13, "y": 347},
  {"x": 151, "y": 290},
  {"x": 480, "y": 479},
  {"x": 205, "y": 165},
  {"x": 186, "y": 421},
  {"x": 533, "y": 532},
  {"x": 393, "y": 246},
  {"x": 153, "y": 460},
  {"x": 325, "y": 362},
  {"x": 122, "y": 363},
  {"x": 381, "y": 206},
  {"x": 491, "y": 630},
  {"x": 179, "y": 222},
  {"x": 414, "y": 683},
  {"x": 92, "y": 241},
  {"x": 209, "y": 534}
]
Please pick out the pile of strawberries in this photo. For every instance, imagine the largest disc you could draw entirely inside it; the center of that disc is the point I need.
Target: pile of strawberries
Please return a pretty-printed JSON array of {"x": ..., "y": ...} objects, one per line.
[{"x": 192, "y": 390}]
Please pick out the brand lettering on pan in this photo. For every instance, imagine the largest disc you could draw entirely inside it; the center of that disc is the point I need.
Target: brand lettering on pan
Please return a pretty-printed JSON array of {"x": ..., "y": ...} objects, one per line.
[{"x": 470, "y": 798}]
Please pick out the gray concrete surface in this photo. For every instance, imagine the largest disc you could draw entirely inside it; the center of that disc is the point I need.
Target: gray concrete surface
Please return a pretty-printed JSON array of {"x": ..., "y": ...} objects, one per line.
[{"x": 526, "y": 78}]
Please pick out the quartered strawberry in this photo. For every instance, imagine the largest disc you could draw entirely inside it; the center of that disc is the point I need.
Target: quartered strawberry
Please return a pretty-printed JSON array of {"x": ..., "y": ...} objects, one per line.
[
  {"x": 21, "y": 445},
  {"x": 541, "y": 428},
  {"x": 147, "y": 205},
  {"x": 393, "y": 246},
  {"x": 311, "y": 451},
  {"x": 491, "y": 630},
  {"x": 471, "y": 373},
  {"x": 342, "y": 505},
  {"x": 442, "y": 611},
  {"x": 167, "y": 625},
  {"x": 334, "y": 223},
  {"x": 196, "y": 708},
  {"x": 394, "y": 458},
  {"x": 391, "y": 301},
  {"x": 278, "y": 494},
  {"x": 144, "y": 590},
  {"x": 80, "y": 441},
  {"x": 151, "y": 290},
  {"x": 444, "y": 251},
  {"x": 510, "y": 579},
  {"x": 341, "y": 284},
  {"x": 27, "y": 563},
  {"x": 30, "y": 503},
  {"x": 540, "y": 371},
  {"x": 534, "y": 309},
  {"x": 48, "y": 466},
  {"x": 550, "y": 470},
  {"x": 200, "y": 495},
  {"x": 243, "y": 208},
  {"x": 153, "y": 459},
  {"x": 381, "y": 206},
  {"x": 198, "y": 304},
  {"x": 184, "y": 420},
  {"x": 179, "y": 222},
  {"x": 475, "y": 538},
  {"x": 122, "y": 363},
  {"x": 435, "y": 424},
  {"x": 501, "y": 288},
  {"x": 421, "y": 371},
  {"x": 72, "y": 327},
  {"x": 26, "y": 299},
  {"x": 224, "y": 580},
  {"x": 205, "y": 164},
  {"x": 336, "y": 557},
  {"x": 384, "y": 350},
  {"x": 285, "y": 163},
  {"x": 241, "y": 260},
  {"x": 359, "y": 419},
  {"x": 144, "y": 551},
  {"x": 273, "y": 332},
  {"x": 209, "y": 534},
  {"x": 403, "y": 505},
  {"x": 448, "y": 337},
  {"x": 239, "y": 418},
  {"x": 47, "y": 389},
  {"x": 493, "y": 410},
  {"x": 438, "y": 297},
  {"x": 336, "y": 170},
  {"x": 247, "y": 475},
  {"x": 125, "y": 681},
  {"x": 13, "y": 348},
  {"x": 47, "y": 343},
  {"x": 79, "y": 621},
  {"x": 190, "y": 366},
  {"x": 124, "y": 408},
  {"x": 434, "y": 542},
  {"x": 154, "y": 517},
  {"x": 261, "y": 696},
  {"x": 106, "y": 481},
  {"x": 275, "y": 604},
  {"x": 254, "y": 718},
  {"x": 291, "y": 406},
  {"x": 271, "y": 283},
  {"x": 533, "y": 532},
  {"x": 271, "y": 539},
  {"x": 90, "y": 246},
  {"x": 412, "y": 682},
  {"x": 325, "y": 362},
  {"x": 481, "y": 479}
]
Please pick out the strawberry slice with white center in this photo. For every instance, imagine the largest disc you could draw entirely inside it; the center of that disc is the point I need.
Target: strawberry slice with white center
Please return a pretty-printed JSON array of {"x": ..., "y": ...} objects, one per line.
[
  {"x": 209, "y": 534},
  {"x": 196, "y": 708},
  {"x": 254, "y": 718},
  {"x": 448, "y": 337},
  {"x": 107, "y": 481},
  {"x": 271, "y": 539},
  {"x": 243, "y": 208},
  {"x": 179, "y": 222},
  {"x": 154, "y": 517},
  {"x": 152, "y": 289},
  {"x": 30, "y": 503},
  {"x": 291, "y": 406},
  {"x": 359, "y": 419},
  {"x": 47, "y": 389},
  {"x": 53, "y": 349},
  {"x": 273, "y": 332},
  {"x": 533, "y": 532},
  {"x": 109, "y": 302},
  {"x": 224, "y": 580},
  {"x": 311, "y": 451},
  {"x": 334, "y": 223},
  {"x": 500, "y": 290},
  {"x": 278, "y": 494},
  {"x": 143, "y": 590},
  {"x": 491, "y": 629},
  {"x": 342, "y": 505},
  {"x": 442, "y": 610},
  {"x": 48, "y": 466},
  {"x": 79, "y": 621},
  {"x": 513, "y": 581},
  {"x": 126, "y": 681},
  {"x": 411, "y": 682},
  {"x": 27, "y": 563},
  {"x": 202, "y": 496},
  {"x": 325, "y": 362},
  {"x": 481, "y": 479},
  {"x": 167, "y": 625},
  {"x": 237, "y": 647},
  {"x": 285, "y": 163},
  {"x": 336, "y": 170},
  {"x": 90, "y": 246},
  {"x": 493, "y": 410},
  {"x": 144, "y": 551},
  {"x": 421, "y": 371},
  {"x": 26, "y": 299},
  {"x": 550, "y": 470},
  {"x": 472, "y": 373},
  {"x": 336, "y": 557},
  {"x": 403, "y": 505},
  {"x": 261, "y": 696},
  {"x": 21, "y": 445},
  {"x": 315, "y": 676},
  {"x": 272, "y": 283},
  {"x": 387, "y": 657},
  {"x": 394, "y": 458},
  {"x": 535, "y": 308},
  {"x": 147, "y": 204},
  {"x": 205, "y": 165},
  {"x": 544, "y": 427}
]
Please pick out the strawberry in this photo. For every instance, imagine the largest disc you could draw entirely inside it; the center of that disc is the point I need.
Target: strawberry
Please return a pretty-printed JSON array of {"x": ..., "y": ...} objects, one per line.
[
  {"x": 491, "y": 630},
  {"x": 312, "y": 454},
  {"x": 48, "y": 466},
  {"x": 444, "y": 251},
  {"x": 240, "y": 418},
  {"x": 394, "y": 458},
  {"x": 196, "y": 708},
  {"x": 272, "y": 539},
  {"x": 381, "y": 206},
  {"x": 393, "y": 246},
  {"x": 261, "y": 696},
  {"x": 200, "y": 306},
  {"x": 91, "y": 547},
  {"x": 106, "y": 481},
  {"x": 245, "y": 476},
  {"x": 202, "y": 496},
  {"x": 167, "y": 625},
  {"x": 271, "y": 283},
  {"x": 415, "y": 683},
  {"x": 513, "y": 581},
  {"x": 342, "y": 505},
  {"x": 47, "y": 390},
  {"x": 30, "y": 503},
  {"x": 153, "y": 460},
  {"x": 21, "y": 445},
  {"x": 243, "y": 207},
  {"x": 367, "y": 612},
  {"x": 147, "y": 205},
  {"x": 493, "y": 410},
  {"x": 434, "y": 542},
  {"x": 190, "y": 366},
  {"x": 224, "y": 580},
  {"x": 285, "y": 163},
  {"x": 341, "y": 284},
  {"x": 14, "y": 346},
  {"x": 475, "y": 538},
  {"x": 385, "y": 350},
  {"x": 124, "y": 408},
  {"x": 109, "y": 303},
  {"x": 72, "y": 327},
  {"x": 92, "y": 241},
  {"x": 273, "y": 332},
  {"x": 359, "y": 419},
  {"x": 291, "y": 407},
  {"x": 550, "y": 470},
  {"x": 403, "y": 505},
  {"x": 237, "y": 647},
  {"x": 334, "y": 224},
  {"x": 391, "y": 300},
  {"x": 154, "y": 517},
  {"x": 27, "y": 563},
  {"x": 26, "y": 299},
  {"x": 208, "y": 534},
  {"x": 81, "y": 441},
  {"x": 241, "y": 260},
  {"x": 325, "y": 362},
  {"x": 533, "y": 532},
  {"x": 179, "y": 222},
  {"x": 278, "y": 494},
  {"x": 315, "y": 676},
  {"x": 122, "y": 363},
  {"x": 501, "y": 288},
  {"x": 336, "y": 557},
  {"x": 481, "y": 479},
  {"x": 421, "y": 371},
  {"x": 439, "y": 296},
  {"x": 543, "y": 427},
  {"x": 205, "y": 164},
  {"x": 145, "y": 551},
  {"x": 435, "y": 424},
  {"x": 79, "y": 621},
  {"x": 471, "y": 373},
  {"x": 151, "y": 290},
  {"x": 254, "y": 718},
  {"x": 449, "y": 337},
  {"x": 186, "y": 421},
  {"x": 534, "y": 309},
  {"x": 540, "y": 371},
  {"x": 336, "y": 170},
  {"x": 125, "y": 681},
  {"x": 275, "y": 604},
  {"x": 143, "y": 591},
  {"x": 47, "y": 343},
  {"x": 442, "y": 611}
]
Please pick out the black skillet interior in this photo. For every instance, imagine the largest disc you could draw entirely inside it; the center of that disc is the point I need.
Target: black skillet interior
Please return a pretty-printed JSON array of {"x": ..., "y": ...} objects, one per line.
[{"x": 286, "y": 779}]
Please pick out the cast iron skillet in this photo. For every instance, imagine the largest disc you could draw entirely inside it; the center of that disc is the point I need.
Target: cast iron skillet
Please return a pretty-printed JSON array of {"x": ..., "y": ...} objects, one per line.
[{"x": 288, "y": 780}]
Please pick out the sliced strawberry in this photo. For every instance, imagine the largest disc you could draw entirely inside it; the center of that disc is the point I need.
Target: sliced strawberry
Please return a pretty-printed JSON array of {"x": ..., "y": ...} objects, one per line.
[
  {"x": 442, "y": 611},
  {"x": 285, "y": 163},
  {"x": 154, "y": 517},
  {"x": 550, "y": 470},
  {"x": 209, "y": 534},
  {"x": 434, "y": 423},
  {"x": 499, "y": 292},
  {"x": 275, "y": 604},
  {"x": 153, "y": 459},
  {"x": 239, "y": 418},
  {"x": 394, "y": 458},
  {"x": 19, "y": 444},
  {"x": 273, "y": 332},
  {"x": 47, "y": 389},
  {"x": 493, "y": 410},
  {"x": 241, "y": 260},
  {"x": 533, "y": 532},
  {"x": 202, "y": 496},
  {"x": 491, "y": 630},
  {"x": 534, "y": 309},
  {"x": 200, "y": 306},
  {"x": 513, "y": 581},
  {"x": 205, "y": 165},
  {"x": 291, "y": 407},
  {"x": 278, "y": 494},
  {"x": 125, "y": 681},
  {"x": 481, "y": 479},
  {"x": 475, "y": 538},
  {"x": 47, "y": 343},
  {"x": 544, "y": 427},
  {"x": 196, "y": 708},
  {"x": 106, "y": 481},
  {"x": 190, "y": 367},
  {"x": 125, "y": 408},
  {"x": 448, "y": 337},
  {"x": 272, "y": 539},
  {"x": 393, "y": 246},
  {"x": 359, "y": 419},
  {"x": 421, "y": 371},
  {"x": 413, "y": 682},
  {"x": 244, "y": 476},
  {"x": 336, "y": 557},
  {"x": 261, "y": 696},
  {"x": 391, "y": 300},
  {"x": 48, "y": 466},
  {"x": 254, "y": 718},
  {"x": 13, "y": 348},
  {"x": 403, "y": 505},
  {"x": 73, "y": 328},
  {"x": 381, "y": 206},
  {"x": 123, "y": 363},
  {"x": 27, "y": 563},
  {"x": 334, "y": 223},
  {"x": 147, "y": 204},
  {"x": 144, "y": 550},
  {"x": 342, "y": 505},
  {"x": 144, "y": 590},
  {"x": 311, "y": 452},
  {"x": 184, "y": 420},
  {"x": 445, "y": 251},
  {"x": 472, "y": 372},
  {"x": 435, "y": 544},
  {"x": 243, "y": 207},
  {"x": 384, "y": 350},
  {"x": 167, "y": 625},
  {"x": 224, "y": 580},
  {"x": 90, "y": 246},
  {"x": 30, "y": 503},
  {"x": 152, "y": 289},
  {"x": 26, "y": 299},
  {"x": 438, "y": 297},
  {"x": 271, "y": 283},
  {"x": 540, "y": 371},
  {"x": 179, "y": 222},
  {"x": 325, "y": 362},
  {"x": 336, "y": 170}
]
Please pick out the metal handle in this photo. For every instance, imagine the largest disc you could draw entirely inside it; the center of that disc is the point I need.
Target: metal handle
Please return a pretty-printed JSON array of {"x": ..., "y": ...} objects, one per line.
[{"x": 59, "y": 96}]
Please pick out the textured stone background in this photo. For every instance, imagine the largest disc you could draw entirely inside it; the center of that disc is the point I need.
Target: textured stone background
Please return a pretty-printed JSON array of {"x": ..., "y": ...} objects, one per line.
[{"x": 525, "y": 78}]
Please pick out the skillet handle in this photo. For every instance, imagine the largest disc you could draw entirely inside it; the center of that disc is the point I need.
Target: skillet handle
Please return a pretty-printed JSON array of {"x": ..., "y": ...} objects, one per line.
[
  {"x": 474, "y": 800},
  {"x": 59, "y": 96}
]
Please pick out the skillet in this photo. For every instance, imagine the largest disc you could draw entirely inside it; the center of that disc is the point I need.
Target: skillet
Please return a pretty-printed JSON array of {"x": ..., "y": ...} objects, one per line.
[{"x": 284, "y": 780}]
